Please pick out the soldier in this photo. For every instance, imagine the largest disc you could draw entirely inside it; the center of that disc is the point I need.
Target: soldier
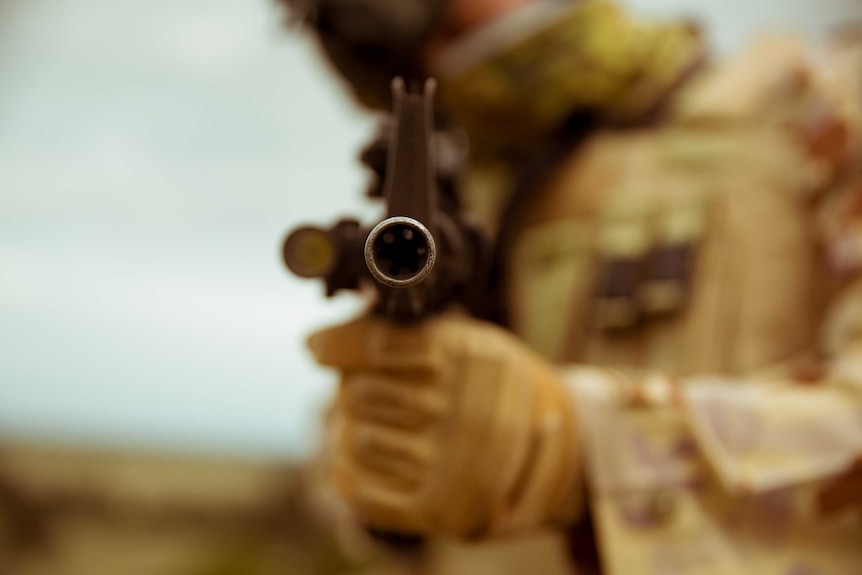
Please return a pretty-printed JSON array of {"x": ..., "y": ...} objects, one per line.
[{"x": 681, "y": 249}]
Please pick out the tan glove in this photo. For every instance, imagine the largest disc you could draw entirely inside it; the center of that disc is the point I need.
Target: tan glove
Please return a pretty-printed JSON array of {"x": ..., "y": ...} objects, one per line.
[{"x": 448, "y": 427}]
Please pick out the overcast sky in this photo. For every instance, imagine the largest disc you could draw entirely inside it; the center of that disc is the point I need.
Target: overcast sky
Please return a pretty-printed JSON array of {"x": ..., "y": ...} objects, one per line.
[{"x": 152, "y": 156}]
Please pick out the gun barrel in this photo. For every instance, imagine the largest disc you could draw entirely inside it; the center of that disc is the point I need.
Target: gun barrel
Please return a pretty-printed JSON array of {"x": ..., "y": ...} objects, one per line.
[{"x": 400, "y": 252}]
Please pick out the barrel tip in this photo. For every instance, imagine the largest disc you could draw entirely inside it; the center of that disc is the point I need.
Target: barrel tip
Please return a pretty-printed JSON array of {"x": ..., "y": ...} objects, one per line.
[{"x": 400, "y": 252}]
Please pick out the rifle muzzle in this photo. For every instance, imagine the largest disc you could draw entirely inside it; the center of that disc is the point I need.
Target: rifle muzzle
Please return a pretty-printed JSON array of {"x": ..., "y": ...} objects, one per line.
[{"x": 400, "y": 252}]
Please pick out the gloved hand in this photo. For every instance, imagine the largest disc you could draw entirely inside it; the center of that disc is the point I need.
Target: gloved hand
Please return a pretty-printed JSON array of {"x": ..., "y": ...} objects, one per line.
[{"x": 448, "y": 427}]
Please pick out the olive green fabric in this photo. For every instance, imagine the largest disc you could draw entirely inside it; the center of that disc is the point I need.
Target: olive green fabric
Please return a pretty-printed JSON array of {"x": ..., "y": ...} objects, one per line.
[{"x": 512, "y": 87}]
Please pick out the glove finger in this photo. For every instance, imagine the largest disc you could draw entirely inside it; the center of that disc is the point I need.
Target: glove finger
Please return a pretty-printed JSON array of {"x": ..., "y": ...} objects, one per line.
[
  {"x": 406, "y": 402},
  {"x": 376, "y": 504},
  {"x": 399, "y": 456},
  {"x": 371, "y": 342}
]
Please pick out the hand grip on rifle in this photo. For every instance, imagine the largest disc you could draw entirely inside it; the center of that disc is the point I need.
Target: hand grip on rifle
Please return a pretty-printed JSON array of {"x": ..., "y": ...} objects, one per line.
[{"x": 422, "y": 258}]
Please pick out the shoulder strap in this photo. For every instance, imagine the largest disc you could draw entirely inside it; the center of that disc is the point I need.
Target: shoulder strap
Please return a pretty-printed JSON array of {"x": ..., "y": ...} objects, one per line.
[{"x": 534, "y": 172}]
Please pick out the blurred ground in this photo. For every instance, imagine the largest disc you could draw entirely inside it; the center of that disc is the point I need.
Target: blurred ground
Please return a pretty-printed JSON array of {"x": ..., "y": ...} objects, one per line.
[
  {"x": 74, "y": 512},
  {"x": 68, "y": 512}
]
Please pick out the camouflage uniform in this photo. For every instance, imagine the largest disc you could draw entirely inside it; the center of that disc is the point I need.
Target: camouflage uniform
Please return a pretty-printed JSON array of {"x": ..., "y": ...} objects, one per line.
[
  {"x": 688, "y": 256},
  {"x": 699, "y": 276}
]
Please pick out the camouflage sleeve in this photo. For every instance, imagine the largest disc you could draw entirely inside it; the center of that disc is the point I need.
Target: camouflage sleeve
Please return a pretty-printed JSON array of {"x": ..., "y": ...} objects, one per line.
[
  {"x": 838, "y": 225},
  {"x": 758, "y": 438},
  {"x": 654, "y": 433}
]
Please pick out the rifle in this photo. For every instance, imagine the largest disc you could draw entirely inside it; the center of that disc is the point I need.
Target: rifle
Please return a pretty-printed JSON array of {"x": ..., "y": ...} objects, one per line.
[{"x": 424, "y": 256}]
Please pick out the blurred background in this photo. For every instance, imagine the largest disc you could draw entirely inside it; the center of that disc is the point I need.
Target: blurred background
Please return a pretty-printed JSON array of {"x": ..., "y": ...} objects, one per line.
[{"x": 152, "y": 157}]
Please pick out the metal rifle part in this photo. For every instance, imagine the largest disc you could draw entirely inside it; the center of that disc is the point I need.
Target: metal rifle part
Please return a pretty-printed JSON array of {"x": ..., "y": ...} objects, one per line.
[
  {"x": 424, "y": 256},
  {"x": 401, "y": 251}
]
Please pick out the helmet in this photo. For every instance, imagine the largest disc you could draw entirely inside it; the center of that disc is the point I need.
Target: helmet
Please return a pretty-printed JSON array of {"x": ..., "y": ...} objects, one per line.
[{"x": 372, "y": 41}]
